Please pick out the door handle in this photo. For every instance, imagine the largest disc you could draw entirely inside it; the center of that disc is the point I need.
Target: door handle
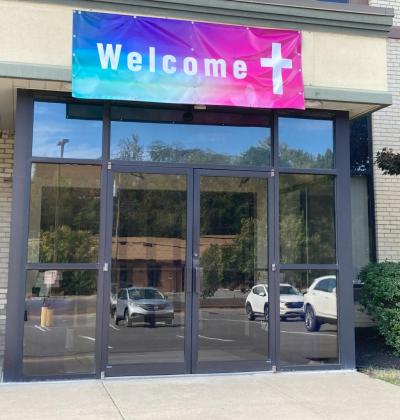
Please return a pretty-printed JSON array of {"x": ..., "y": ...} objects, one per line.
[{"x": 198, "y": 278}]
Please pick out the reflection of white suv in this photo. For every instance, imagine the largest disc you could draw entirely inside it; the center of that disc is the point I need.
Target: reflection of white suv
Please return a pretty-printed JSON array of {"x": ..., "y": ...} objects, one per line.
[
  {"x": 291, "y": 302},
  {"x": 320, "y": 303}
]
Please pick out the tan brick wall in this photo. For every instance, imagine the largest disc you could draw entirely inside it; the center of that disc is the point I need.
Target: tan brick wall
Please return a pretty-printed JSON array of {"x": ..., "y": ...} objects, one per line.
[
  {"x": 6, "y": 168},
  {"x": 394, "y": 4},
  {"x": 386, "y": 133}
]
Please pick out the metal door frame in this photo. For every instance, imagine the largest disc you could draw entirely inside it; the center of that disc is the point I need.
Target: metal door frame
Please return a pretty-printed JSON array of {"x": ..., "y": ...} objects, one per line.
[
  {"x": 190, "y": 364},
  {"x": 148, "y": 368},
  {"x": 273, "y": 325}
]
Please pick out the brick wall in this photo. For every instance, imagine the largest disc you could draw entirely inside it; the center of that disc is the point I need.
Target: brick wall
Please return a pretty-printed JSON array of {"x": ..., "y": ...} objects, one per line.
[
  {"x": 394, "y": 4},
  {"x": 386, "y": 133},
  {"x": 6, "y": 167}
]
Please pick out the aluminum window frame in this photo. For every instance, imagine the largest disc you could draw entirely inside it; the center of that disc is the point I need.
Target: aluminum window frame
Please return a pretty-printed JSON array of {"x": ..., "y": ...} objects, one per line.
[{"x": 20, "y": 224}]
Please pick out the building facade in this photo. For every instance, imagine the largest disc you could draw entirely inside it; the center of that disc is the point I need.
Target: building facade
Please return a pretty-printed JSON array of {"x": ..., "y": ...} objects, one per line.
[
  {"x": 385, "y": 135},
  {"x": 141, "y": 238}
]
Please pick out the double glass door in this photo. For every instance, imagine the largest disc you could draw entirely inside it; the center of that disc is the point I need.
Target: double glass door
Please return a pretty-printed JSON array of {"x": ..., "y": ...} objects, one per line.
[{"x": 186, "y": 247}]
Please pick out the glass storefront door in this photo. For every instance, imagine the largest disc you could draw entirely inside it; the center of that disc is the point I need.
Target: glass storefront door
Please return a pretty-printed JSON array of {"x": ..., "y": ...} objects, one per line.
[
  {"x": 187, "y": 248},
  {"x": 231, "y": 296}
]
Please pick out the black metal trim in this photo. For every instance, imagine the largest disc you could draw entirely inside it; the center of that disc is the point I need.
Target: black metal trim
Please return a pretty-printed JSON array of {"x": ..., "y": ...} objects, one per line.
[
  {"x": 346, "y": 338},
  {"x": 305, "y": 368},
  {"x": 62, "y": 266},
  {"x": 71, "y": 161},
  {"x": 19, "y": 234},
  {"x": 283, "y": 170},
  {"x": 234, "y": 366},
  {"x": 19, "y": 238},
  {"x": 330, "y": 267}
]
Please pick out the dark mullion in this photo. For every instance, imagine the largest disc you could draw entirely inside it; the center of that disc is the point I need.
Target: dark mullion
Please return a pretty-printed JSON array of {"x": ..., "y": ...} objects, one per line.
[
  {"x": 308, "y": 171},
  {"x": 65, "y": 161},
  {"x": 275, "y": 275},
  {"x": 62, "y": 266},
  {"x": 19, "y": 238},
  {"x": 344, "y": 238},
  {"x": 334, "y": 267},
  {"x": 191, "y": 166}
]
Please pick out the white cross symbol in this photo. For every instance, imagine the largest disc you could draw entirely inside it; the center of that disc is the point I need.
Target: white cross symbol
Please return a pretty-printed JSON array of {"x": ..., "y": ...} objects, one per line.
[{"x": 277, "y": 63}]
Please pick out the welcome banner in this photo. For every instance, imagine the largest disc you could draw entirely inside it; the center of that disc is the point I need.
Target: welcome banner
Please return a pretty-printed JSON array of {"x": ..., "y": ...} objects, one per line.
[{"x": 176, "y": 61}]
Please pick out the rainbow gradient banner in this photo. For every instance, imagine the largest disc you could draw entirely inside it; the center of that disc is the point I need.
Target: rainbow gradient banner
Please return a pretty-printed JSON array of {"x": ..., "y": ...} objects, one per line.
[{"x": 150, "y": 59}]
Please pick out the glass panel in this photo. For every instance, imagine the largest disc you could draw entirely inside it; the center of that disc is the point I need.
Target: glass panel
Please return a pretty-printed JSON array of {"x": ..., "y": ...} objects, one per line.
[
  {"x": 60, "y": 322},
  {"x": 307, "y": 219},
  {"x": 147, "y": 302},
  {"x": 308, "y": 326},
  {"x": 67, "y": 130},
  {"x": 360, "y": 223},
  {"x": 233, "y": 257},
  {"x": 64, "y": 213},
  {"x": 305, "y": 143},
  {"x": 190, "y": 143},
  {"x": 360, "y": 146}
]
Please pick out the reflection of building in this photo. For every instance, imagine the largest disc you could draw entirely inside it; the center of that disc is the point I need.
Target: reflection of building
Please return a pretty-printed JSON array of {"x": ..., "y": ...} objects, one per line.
[
  {"x": 344, "y": 70},
  {"x": 156, "y": 262}
]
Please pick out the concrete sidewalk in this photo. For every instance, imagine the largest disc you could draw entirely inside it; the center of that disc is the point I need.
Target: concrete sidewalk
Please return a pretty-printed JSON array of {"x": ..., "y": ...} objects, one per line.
[{"x": 308, "y": 396}]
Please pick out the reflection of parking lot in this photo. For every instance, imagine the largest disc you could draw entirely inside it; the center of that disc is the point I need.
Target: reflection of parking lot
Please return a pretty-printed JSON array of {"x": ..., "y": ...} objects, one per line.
[{"x": 224, "y": 334}]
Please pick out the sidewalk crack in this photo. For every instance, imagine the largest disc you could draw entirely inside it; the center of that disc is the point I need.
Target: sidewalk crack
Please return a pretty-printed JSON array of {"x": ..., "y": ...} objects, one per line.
[{"x": 113, "y": 401}]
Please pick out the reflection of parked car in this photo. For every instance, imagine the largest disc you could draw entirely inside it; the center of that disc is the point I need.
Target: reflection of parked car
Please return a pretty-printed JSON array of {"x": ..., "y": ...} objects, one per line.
[
  {"x": 291, "y": 302},
  {"x": 320, "y": 303},
  {"x": 143, "y": 304}
]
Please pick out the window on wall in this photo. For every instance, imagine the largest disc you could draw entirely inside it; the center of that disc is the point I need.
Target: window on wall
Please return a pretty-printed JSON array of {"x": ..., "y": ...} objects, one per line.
[
  {"x": 361, "y": 193},
  {"x": 190, "y": 137},
  {"x": 306, "y": 143},
  {"x": 67, "y": 130},
  {"x": 63, "y": 242},
  {"x": 307, "y": 220}
]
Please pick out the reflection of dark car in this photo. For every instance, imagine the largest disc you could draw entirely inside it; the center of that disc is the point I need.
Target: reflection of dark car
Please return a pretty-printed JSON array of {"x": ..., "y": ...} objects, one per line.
[{"x": 143, "y": 304}]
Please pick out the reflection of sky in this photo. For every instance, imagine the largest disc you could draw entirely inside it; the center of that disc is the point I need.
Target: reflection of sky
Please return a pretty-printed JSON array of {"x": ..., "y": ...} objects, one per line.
[
  {"x": 312, "y": 136},
  {"x": 226, "y": 140},
  {"x": 51, "y": 125},
  {"x": 85, "y": 136}
]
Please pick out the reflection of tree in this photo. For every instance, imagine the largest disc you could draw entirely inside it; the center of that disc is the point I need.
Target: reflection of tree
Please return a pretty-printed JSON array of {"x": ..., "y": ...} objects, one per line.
[
  {"x": 307, "y": 219},
  {"x": 160, "y": 151},
  {"x": 78, "y": 283},
  {"x": 71, "y": 245},
  {"x": 297, "y": 158},
  {"x": 130, "y": 149},
  {"x": 258, "y": 155},
  {"x": 230, "y": 266},
  {"x": 140, "y": 213}
]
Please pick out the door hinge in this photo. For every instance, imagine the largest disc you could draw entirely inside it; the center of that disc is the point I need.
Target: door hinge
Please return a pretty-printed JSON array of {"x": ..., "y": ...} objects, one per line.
[
  {"x": 109, "y": 167},
  {"x": 273, "y": 267},
  {"x": 102, "y": 375},
  {"x": 105, "y": 267},
  {"x": 272, "y": 172},
  {"x": 273, "y": 369}
]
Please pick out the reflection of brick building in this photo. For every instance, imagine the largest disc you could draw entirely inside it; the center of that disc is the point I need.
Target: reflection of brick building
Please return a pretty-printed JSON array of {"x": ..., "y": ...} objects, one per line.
[{"x": 155, "y": 262}]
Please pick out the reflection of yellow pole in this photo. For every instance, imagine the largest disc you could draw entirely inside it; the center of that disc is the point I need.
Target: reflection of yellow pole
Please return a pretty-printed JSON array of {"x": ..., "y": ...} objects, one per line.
[
  {"x": 43, "y": 316},
  {"x": 49, "y": 317}
]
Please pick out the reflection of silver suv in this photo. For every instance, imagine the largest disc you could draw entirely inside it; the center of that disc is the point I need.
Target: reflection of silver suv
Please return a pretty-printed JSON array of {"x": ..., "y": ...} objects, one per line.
[{"x": 143, "y": 304}]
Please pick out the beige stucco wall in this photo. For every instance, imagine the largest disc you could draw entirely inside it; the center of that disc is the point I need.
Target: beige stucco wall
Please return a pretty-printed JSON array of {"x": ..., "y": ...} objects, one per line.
[{"x": 42, "y": 34}]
